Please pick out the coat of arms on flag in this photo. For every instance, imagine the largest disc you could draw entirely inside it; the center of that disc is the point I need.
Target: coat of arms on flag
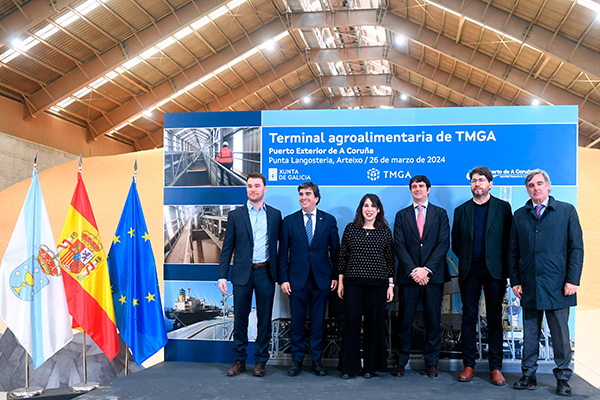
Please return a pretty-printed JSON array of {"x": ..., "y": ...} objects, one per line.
[
  {"x": 32, "y": 275},
  {"x": 77, "y": 253}
]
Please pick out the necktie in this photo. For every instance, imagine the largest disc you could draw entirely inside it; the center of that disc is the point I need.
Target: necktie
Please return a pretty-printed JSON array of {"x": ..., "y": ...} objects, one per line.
[
  {"x": 309, "y": 233},
  {"x": 538, "y": 210},
  {"x": 420, "y": 220}
]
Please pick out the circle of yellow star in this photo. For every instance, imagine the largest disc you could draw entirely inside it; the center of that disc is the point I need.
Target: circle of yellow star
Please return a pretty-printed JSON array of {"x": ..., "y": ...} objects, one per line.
[
  {"x": 116, "y": 239},
  {"x": 122, "y": 299},
  {"x": 146, "y": 237},
  {"x": 131, "y": 231},
  {"x": 150, "y": 297},
  {"x": 135, "y": 302}
]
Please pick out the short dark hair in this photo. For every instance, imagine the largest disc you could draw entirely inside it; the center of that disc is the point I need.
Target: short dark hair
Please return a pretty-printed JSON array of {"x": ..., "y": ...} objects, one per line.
[
  {"x": 312, "y": 186},
  {"x": 257, "y": 175},
  {"x": 485, "y": 171},
  {"x": 380, "y": 221},
  {"x": 420, "y": 178}
]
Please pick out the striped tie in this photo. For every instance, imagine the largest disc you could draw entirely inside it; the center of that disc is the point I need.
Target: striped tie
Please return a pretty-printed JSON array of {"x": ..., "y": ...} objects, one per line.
[{"x": 309, "y": 233}]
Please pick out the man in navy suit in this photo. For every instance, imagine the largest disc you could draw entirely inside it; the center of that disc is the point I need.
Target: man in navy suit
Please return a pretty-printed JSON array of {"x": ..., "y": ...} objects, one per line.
[
  {"x": 252, "y": 232},
  {"x": 421, "y": 241},
  {"x": 308, "y": 257}
]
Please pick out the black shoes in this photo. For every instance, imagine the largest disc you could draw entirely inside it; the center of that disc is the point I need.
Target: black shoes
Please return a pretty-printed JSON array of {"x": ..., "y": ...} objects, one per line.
[
  {"x": 398, "y": 370},
  {"x": 527, "y": 382},
  {"x": 295, "y": 368},
  {"x": 563, "y": 388},
  {"x": 432, "y": 372},
  {"x": 369, "y": 375},
  {"x": 318, "y": 368}
]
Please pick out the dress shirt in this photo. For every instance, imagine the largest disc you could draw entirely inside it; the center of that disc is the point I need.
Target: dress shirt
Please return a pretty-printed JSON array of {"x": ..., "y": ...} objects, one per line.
[
  {"x": 314, "y": 219},
  {"x": 544, "y": 203},
  {"x": 258, "y": 220},
  {"x": 424, "y": 210}
]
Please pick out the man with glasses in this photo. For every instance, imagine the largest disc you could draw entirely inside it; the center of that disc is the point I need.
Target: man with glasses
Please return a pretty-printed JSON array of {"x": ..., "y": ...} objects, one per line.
[{"x": 480, "y": 239}]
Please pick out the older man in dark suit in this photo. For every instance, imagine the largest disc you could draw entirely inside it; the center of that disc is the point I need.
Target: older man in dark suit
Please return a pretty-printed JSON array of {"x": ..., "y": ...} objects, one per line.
[
  {"x": 252, "y": 232},
  {"x": 480, "y": 236},
  {"x": 421, "y": 241},
  {"x": 545, "y": 264},
  {"x": 308, "y": 257}
]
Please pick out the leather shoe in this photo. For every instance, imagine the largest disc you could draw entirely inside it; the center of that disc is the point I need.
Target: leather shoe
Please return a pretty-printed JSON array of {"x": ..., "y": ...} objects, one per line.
[
  {"x": 398, "y": 370},
  {"x": 563, "y": 388},
  {"x": 318, "y": 368},
  {"x": 260, "y": 368},
  {"x": 467, "y": 375},
  {"x": 369, "y": 375},
  {"x": 526, "y": 382},
  {"x": 497, "y": 378},
  {"x": 295, "y": 369},
  {"x": 432, "y": 372},
  {"x": 346, "y": 376},
  {"x": 237, "y": 368}
]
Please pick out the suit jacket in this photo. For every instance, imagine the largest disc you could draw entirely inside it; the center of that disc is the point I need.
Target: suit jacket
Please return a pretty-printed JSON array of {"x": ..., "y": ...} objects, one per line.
[
  {"x": 297, "y": 257},
  {"x": 430, "y": 251},
  {"x": 238, "y": 238},
  {"x": 545, "y": 254},
  {"x": 497, "y": 237}
]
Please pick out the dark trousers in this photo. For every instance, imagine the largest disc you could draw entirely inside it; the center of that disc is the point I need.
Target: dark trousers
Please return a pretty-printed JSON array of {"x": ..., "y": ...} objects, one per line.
[
  {"x": 432, "y": 304},
  {"x": 558, "y": 321},
  {"x": 225, "y": 174},
  {"x": 370, "y": 302},
  {"x": 470, "y": 294},
  {"x": 264, "y": 289},
  {"x": 299, "y": 301}
]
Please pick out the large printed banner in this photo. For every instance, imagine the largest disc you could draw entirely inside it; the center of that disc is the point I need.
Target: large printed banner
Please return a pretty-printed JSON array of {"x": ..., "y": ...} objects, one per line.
[
  {"x": 347, "y": 153},
  {"x": 387, "y": 147}
]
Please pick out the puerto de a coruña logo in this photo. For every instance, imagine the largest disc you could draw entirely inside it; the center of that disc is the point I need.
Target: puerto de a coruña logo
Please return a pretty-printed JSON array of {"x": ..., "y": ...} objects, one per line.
[{"x": 373, "y": 174}]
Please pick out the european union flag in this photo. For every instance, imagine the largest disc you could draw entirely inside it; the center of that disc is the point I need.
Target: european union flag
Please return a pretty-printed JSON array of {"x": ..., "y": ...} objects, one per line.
[{"x": 136, "y": 296}]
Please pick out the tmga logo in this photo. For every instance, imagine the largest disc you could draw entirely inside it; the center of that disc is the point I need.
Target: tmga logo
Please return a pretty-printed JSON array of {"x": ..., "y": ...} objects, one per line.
[{"x": 373, "y": 174}]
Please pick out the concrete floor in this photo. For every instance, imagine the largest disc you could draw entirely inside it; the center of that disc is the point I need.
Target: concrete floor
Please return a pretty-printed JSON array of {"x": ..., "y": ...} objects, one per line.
[{"x": 209, "y": 381}]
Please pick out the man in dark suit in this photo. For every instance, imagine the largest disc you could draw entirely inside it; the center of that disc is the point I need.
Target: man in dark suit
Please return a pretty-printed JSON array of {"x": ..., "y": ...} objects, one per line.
[
  {"x": 252, "y": 233},
  {"x": 308, "y": 256},
  {"x": 421, "y": 241},
  {"x": 480, "y": 236},
  {"x": 545, "y": 264}
]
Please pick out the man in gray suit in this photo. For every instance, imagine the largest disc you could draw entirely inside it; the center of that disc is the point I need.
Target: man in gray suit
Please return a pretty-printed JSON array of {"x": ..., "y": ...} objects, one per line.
[
  {"x": 545, "y": 264},
  {"x": 480, "y": 236}
]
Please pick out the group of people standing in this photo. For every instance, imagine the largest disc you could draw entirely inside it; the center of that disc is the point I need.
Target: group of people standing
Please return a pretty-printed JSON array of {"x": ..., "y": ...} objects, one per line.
[{"x": 540, "y": 248}]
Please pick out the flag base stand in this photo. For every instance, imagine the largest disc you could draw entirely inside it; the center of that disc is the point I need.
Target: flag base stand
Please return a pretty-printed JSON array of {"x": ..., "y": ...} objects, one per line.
[
  {"x": 25, "y": 393},
  {"x": 84, "y": 387}
]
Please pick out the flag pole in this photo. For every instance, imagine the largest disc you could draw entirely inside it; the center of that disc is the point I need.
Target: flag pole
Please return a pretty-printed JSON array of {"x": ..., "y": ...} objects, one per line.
[
  {"x": 26, "y": 392},
  {"x": 84, "y": 386},
  {"x": 135, "y": 168}
]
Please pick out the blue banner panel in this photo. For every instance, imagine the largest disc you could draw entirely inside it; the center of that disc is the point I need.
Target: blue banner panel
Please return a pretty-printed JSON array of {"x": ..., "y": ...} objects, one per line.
[
  {"x": 212, "y": 351},
  {"x": 391, "y": 155},
  {"x": 231, "y": 195},
  {"x": 191, "y": 272},
  {"x": 212, "y": 119}
]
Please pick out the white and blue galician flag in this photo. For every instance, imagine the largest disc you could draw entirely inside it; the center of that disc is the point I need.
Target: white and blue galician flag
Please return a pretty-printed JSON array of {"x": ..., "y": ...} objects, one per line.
[
  {"x": 136, "y": 295},
  {"x": 32, "y": 296}
]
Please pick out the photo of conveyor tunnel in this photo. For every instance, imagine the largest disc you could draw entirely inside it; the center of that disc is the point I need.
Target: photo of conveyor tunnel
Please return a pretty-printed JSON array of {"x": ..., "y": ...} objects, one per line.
[
  {"x": 194, "y": 234},
  {"x": 211, "y": 156}
]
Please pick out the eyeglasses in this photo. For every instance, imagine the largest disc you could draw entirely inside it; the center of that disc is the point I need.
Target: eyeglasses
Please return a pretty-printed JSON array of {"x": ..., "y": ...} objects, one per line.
[{"x": 480, "y": 180}]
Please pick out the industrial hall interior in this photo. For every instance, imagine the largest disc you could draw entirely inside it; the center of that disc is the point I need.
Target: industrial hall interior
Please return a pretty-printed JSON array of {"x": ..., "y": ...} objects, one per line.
[{"x": 98, "y": 78}]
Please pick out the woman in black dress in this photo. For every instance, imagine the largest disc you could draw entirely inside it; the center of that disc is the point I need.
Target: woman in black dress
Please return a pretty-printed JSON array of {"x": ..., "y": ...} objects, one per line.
[{"x": 366, "y": 283}]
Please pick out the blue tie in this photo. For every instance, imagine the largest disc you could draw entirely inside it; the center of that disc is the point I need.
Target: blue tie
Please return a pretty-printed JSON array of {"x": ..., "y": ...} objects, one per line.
[{"x": 309, "y": 232}]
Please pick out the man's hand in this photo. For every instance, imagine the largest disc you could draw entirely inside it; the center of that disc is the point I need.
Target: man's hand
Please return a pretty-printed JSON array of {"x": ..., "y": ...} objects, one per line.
[
  {"x": 286, "y": 288},
  {"x": 333, "y": 285},
  {"x": 518, "y": 291},
  {"x": 223, "y": 287},
  {"x": 420, "y": 276},
  {"x": 341, "y": 290},
  {"x": 570, "y": 289}
]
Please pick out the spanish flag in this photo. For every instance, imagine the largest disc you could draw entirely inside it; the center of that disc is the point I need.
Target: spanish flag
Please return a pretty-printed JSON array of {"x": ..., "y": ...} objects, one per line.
[{"x": 86, "y": 278}]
